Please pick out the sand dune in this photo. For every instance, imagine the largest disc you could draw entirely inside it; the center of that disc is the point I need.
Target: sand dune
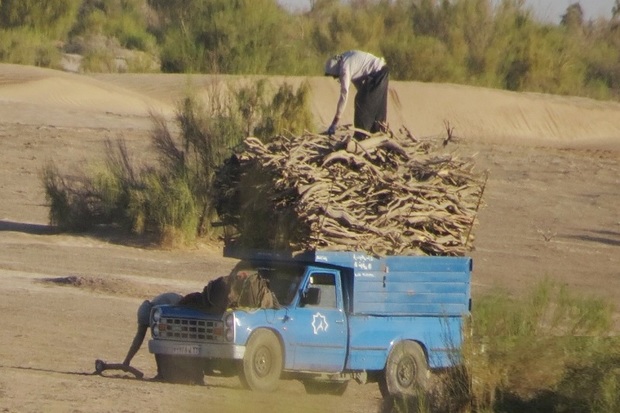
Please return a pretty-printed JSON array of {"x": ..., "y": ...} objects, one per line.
[
  {"x": 507, "y": 116},
  {"x": 53, "y": 98},
  {"x": 474, "y": 113}
]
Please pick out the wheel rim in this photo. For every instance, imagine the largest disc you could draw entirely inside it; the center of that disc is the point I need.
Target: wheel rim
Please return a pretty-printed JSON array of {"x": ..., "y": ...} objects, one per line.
[
  {"x": 262, "y": 362},
  {"x": 406, "y": 372}
]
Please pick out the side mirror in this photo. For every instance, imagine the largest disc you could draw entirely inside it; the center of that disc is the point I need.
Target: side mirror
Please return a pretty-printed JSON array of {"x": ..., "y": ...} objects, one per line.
[{"x": 312, "y": 296}]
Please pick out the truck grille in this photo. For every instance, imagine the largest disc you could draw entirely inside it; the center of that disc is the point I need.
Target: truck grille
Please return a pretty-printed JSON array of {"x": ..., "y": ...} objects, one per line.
[{"x": 171, "y": 328}]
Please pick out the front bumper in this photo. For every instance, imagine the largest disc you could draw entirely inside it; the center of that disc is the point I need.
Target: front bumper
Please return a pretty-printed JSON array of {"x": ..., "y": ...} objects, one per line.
[{"x": 199, "y": 350}]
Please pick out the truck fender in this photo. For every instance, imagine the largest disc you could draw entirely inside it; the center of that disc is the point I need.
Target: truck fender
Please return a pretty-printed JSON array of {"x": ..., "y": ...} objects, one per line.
[
  {"x": 275, "y": 332},
  {"x": 393, "y": 344}
]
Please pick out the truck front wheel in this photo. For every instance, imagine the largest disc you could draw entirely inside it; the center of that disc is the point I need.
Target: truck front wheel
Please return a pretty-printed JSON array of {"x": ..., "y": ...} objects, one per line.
[
  {"x": 406, "y": 372},
  {"x": 262, "y": 362}
]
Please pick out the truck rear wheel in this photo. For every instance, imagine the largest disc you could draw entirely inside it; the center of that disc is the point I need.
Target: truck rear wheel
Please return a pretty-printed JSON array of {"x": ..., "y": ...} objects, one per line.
[
  {"x": 262, "y": 362},
  {"x": 406, "y": 371}
]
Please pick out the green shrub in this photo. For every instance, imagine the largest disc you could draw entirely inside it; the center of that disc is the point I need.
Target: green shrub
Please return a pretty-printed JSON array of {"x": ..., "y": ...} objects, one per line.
[
  {"x": 164, "y": 205},
  {"x": 180, "y": 55},
  {"x": 439, "y": 64},
  {"x": 592, "y": 383},
  {"x": 525, "y": 351},
  {"x": 100, "y": 60},
  {"x": 51, "y": 18},
  {"x": 67, "y": 212},
  {"x": 478, "y": 42},
  {"x": 141, "y": 62},
  {"x": 208, "y": 136},
  {"x": 122, "y": 20},
  {"x": 177, "y": 199},
  {"x": 289, "y": 111},
  {"x": 83, "y": 201},
  {"x": 28, "y": 47}
]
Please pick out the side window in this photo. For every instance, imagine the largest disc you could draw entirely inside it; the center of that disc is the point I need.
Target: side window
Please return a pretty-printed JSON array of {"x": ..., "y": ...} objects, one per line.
[{"x": 327, "y": 284}]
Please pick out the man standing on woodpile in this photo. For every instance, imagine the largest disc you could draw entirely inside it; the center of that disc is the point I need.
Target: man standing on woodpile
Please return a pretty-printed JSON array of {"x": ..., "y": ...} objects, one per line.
[{"x": 370, "y": 75}]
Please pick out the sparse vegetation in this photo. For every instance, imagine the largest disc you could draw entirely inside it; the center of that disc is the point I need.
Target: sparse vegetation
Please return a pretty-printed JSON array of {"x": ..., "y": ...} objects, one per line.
[
  {"x": 28, "y": 47},
  {"x": 174, "y": 200},
  {"x": 545, "y": 351},
  {"x": 478, "y": 42}
]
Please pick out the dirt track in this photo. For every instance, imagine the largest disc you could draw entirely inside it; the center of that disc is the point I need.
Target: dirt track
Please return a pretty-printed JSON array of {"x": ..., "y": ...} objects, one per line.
[{"x": 552, "y": 211}]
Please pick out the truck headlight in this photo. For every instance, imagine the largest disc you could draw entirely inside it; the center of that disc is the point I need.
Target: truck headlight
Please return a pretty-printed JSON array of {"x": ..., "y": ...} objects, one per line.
[
  {"x": 156, "y": 316},
  {"x": 230, "y": 334},
  {"x": 229, "y": 327},
  {"x": 155, "y": 330},
  {"x": 229, "y": 320}
]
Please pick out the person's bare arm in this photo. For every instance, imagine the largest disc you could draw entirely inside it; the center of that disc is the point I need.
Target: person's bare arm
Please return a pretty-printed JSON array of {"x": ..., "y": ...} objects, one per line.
[{"x": 136, "y": 343}]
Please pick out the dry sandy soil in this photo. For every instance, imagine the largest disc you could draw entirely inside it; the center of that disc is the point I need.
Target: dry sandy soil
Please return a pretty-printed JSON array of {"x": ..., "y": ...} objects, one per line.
[{"x": 552, "y": 210}]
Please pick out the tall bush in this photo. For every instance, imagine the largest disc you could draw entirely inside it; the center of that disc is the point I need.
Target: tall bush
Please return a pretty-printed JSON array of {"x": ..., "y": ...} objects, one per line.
[
  {"x": 523, "y": 349},
  {"x": 480, "y": 42},
  {"x": 228, "y": 37},
  {"x": 175, "y": 199},
  {"x": 125, "y": 21},
  {"x": 52, "y": 18},
  {"x": 288, "y": 112},
  {"x": 26, "y": 46}
]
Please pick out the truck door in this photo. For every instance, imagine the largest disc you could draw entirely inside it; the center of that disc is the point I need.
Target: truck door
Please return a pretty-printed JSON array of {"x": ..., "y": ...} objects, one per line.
[{"x": 319, "y": 330}]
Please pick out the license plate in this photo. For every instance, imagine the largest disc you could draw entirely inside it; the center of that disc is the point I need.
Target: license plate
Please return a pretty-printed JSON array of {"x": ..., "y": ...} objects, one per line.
[{"x": 186, "y": 350}]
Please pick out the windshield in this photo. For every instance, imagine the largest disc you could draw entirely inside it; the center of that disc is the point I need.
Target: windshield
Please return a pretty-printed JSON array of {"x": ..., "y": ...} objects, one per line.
[{"x": 283, "y": 280}]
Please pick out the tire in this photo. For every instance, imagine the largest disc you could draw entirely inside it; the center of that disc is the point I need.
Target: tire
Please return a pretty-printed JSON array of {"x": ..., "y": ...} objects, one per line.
[
  {"x": 406, "y": 371},
  {"x": 335, "y": 388},
  {"x": 262, "y": 363},
  {"x": 178, "y": 369}
]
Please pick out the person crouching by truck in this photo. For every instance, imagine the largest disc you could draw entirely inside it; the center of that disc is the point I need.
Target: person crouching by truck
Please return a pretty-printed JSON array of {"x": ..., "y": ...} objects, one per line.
[
  {"x": 370, "y": 76},
  {"x": 144, "y": 314}
]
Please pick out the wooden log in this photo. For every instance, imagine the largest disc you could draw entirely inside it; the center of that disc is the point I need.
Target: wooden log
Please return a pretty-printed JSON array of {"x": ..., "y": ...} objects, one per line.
[{"x": 390, "y": 192}]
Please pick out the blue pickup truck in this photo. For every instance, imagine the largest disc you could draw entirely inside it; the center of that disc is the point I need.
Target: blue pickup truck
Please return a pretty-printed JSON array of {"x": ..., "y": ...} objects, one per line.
[{"x": 341, "y": 316}]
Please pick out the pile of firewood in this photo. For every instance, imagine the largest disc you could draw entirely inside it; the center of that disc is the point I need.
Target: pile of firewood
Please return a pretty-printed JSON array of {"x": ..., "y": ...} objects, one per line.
[{"x": 388, "y": 194}]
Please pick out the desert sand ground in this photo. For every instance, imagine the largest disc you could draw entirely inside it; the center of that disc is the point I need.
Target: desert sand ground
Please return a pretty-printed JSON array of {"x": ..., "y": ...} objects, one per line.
[{"x": 552, "y": 209}]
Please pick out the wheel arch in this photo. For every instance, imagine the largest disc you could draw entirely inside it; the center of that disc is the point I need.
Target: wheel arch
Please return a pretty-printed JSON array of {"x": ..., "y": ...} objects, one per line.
[
  {"x": 395, "y": 342},
  {"x": 276, "y": 333},
  {"x": 407, "y": 372}
]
